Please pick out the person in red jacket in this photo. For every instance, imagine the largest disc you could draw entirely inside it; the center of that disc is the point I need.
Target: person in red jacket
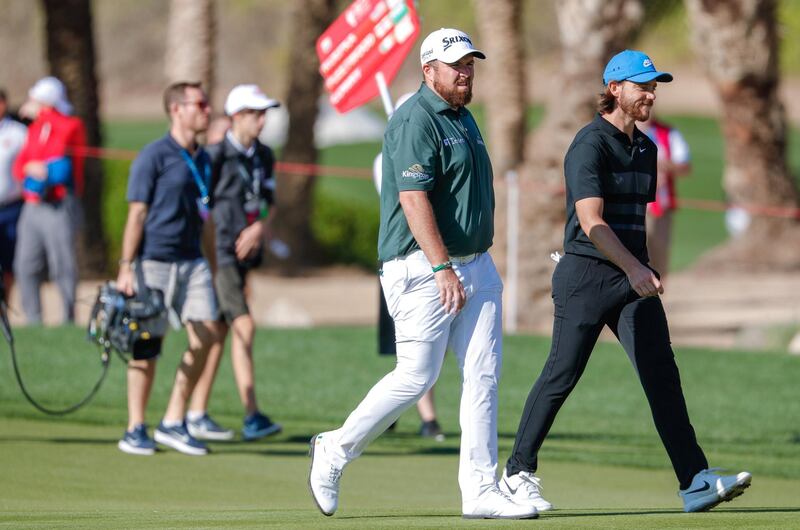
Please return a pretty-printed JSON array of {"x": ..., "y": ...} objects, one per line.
[
  {"x": 673, "y": 161},
  {"x": 50, "y": 167}
]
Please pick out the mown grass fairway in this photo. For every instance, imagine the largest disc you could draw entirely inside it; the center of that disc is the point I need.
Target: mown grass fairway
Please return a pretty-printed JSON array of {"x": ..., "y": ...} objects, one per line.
[{"x": 603, "y": 465}]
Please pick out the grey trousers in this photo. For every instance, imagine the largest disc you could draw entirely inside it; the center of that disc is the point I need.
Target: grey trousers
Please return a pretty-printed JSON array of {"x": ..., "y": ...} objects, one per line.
[{"x": 46, "y": 244}]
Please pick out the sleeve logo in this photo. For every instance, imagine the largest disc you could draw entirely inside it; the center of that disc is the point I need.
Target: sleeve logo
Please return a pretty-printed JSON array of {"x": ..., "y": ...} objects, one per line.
[{"x": 415, "y": 172}]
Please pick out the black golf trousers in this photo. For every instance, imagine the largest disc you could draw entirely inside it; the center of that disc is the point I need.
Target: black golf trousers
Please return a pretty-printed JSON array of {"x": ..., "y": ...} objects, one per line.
[{"x": 590, "y": 293}]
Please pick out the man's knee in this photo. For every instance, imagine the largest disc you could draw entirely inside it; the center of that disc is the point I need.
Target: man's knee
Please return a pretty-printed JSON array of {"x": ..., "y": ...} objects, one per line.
[{"x": 202, "y": 335}]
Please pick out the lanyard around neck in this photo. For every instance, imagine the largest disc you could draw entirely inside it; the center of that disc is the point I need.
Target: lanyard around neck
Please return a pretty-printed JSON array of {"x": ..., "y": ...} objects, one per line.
[
  {"x": 198, "y": 179},
  {"x": 252, "y": 179}
]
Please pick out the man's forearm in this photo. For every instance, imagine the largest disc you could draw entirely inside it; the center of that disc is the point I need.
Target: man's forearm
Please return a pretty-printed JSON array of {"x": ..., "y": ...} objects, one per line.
[
  {"x": 134, "y": 228},
  {"x": 609, "y": 244}
]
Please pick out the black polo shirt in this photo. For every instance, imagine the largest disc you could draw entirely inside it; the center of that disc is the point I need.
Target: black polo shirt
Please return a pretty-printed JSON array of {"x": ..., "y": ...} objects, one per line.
[{"x": 603, "y": 162}]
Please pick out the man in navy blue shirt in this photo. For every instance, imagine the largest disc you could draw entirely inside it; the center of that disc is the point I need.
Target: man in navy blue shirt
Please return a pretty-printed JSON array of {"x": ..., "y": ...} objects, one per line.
[{"x": 169, "y": 202}]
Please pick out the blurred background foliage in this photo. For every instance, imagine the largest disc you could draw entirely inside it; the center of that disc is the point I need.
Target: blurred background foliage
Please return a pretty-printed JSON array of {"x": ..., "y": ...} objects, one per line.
[{"x": 253, "y": 37}]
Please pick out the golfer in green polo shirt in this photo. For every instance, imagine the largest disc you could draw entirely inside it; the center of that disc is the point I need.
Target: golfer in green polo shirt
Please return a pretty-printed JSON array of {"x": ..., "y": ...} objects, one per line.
[{"x": 441, "y": 287}]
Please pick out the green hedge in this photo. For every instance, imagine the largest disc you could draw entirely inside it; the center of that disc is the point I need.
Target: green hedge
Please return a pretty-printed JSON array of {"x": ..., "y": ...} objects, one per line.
[
  {"x": 347, "y": 230},
  {"x": 346, "y": 227}
]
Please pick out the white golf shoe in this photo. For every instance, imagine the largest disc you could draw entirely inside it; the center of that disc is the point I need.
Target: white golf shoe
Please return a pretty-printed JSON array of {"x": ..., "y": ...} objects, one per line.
[
  {"x": 323, "y": 477},
  {"x": 525, "y": 488},
  {"x": 494, "y": 504},
  {"x": 709, "y": 488}
]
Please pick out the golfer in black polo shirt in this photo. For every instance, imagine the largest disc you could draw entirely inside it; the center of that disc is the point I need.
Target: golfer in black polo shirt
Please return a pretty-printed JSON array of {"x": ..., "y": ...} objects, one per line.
[{"x": 604, "y": 280}]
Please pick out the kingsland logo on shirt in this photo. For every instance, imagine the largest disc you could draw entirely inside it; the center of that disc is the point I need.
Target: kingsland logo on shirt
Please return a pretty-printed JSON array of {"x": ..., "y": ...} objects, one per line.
[
  {"x": 416, "y": 172},
  {"x": 449, "y": 41}
]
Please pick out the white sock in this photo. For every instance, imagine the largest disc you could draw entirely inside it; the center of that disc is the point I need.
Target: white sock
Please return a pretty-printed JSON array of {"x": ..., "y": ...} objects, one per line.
[
  {"x": 171, "y": 423},
  {"x": 194, "y": 415}
]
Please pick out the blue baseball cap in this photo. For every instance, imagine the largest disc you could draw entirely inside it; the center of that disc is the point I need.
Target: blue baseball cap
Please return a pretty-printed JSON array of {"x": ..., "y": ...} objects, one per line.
[{"x": 635, "y": 66}]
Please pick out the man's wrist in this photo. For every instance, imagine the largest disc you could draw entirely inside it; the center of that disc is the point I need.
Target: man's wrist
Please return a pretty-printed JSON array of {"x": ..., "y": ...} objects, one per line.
[
  {"x": 443, "y": 266},
  {"x": 123, "y": 262}
]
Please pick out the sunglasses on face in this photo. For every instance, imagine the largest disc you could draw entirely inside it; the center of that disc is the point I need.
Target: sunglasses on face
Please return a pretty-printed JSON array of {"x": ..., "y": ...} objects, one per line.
[{"x": 202, "y": 104}]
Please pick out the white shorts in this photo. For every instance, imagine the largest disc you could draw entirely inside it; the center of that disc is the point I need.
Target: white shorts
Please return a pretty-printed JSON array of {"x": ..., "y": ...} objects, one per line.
[{"x": 187, "y": 286}]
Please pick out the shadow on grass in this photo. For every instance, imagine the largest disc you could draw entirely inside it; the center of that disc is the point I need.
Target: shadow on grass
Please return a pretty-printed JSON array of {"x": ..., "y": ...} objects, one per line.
[
  {"x": 603, "y": 513},
  {"x": 47, "y": 440},
  {"x": 584, "y": 513}
]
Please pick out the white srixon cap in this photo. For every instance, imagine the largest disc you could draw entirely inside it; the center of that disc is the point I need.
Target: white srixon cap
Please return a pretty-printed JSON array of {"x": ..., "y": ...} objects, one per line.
[
  {"x": 248, "y": 97},
  {"x": 447, "y": 45}
]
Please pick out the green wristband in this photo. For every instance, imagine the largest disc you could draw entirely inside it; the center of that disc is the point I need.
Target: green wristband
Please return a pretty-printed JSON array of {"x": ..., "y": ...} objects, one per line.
[{"x": 443, "y": 266}]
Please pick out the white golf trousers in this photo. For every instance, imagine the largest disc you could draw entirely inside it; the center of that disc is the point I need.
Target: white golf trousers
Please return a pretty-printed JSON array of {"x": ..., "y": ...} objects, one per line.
[{"x": 423, "y": 332}]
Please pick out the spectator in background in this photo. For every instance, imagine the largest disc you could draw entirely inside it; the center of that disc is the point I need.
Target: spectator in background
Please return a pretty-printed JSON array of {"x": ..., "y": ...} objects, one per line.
[
  {"x": 12, "y": 138},
  {"x": 169, "y": 196},
  {"x": 243, "y": 213},
  {"x": 51, "y": 173},
  {"x": 673, "y": 161}
]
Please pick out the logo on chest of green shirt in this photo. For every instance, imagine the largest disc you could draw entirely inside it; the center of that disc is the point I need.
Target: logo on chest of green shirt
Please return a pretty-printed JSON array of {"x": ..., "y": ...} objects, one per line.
[
  {"x": 453, "y": 141},
  {"x": 416, "y": 172}
]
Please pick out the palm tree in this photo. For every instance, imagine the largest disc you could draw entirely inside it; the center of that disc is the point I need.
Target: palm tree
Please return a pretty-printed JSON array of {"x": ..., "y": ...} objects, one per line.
[
  {"x": 190, "y": 42},
  {"x": 294, "y": 196},
  {"x": 738, "y": 42},
  {"x": 71, "y": 58},
  {"x": 591, "y": 32},
  {"x": 500, "y": 28}
]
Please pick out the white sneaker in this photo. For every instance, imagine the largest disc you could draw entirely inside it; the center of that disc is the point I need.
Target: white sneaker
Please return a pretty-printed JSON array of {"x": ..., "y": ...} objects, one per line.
[
  {"x": 524, "y": 488},
  {"x": 709, "y": 488},
  {"x": 323, "y": 478},
  {"x": 494, "y": 504}
]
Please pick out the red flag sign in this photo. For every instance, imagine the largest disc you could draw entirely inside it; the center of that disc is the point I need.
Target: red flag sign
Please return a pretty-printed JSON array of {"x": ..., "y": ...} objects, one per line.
[{"x": 371, "y": 38}]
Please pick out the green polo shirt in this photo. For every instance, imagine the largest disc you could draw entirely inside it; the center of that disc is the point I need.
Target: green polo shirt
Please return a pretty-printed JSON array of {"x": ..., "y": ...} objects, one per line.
[{"x": 430, "y": 147}]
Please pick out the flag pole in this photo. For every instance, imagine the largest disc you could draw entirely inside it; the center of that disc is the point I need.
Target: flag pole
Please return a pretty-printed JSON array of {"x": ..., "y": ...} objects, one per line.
[{"x": 386, "y": 98}]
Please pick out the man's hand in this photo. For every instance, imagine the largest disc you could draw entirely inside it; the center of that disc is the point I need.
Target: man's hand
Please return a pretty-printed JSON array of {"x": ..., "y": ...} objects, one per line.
[
  {"x": 36, "y": 170},
  {"x": 451, "y": 292},
  {"x": 645, "y": 282},
  {"x": 125, "y": 279},
  {"x": 249, "y": 241}
]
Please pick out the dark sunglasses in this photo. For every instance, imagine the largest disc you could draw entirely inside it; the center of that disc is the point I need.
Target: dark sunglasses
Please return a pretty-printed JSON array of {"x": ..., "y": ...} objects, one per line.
[{"x": 203, "y": 104}]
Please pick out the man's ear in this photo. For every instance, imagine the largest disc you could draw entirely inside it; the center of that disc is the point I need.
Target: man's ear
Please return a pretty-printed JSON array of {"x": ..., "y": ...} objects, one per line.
[
  {"x": 615, "y": 87},
  {"x": 427, "y": 70}
]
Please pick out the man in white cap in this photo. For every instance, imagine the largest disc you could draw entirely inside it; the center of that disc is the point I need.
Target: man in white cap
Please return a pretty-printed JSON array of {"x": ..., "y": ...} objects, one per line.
[
  {"x": 243, "y": 213},
  {"x": 441, "y": 286},
  {"x": 50, "y": 167}
]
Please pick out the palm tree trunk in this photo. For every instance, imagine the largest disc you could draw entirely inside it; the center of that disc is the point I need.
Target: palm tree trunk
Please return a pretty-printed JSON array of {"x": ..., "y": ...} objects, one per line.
[
  {"x": 500, "y": 31},
  {"x": 190, "y": 42},
  {"x": 71, "y": 58},
  {"x": 591, "y": 32},
  {"x": 500, "y": 28},
  {"x": 738, "y": 42},
  {"x": 295, "y": 192}
]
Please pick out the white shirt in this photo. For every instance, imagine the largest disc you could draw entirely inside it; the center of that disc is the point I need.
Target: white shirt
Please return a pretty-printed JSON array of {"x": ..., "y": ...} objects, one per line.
[
  {"x": 246, "y": 151},
  {"x": 12, "y": 138}
]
